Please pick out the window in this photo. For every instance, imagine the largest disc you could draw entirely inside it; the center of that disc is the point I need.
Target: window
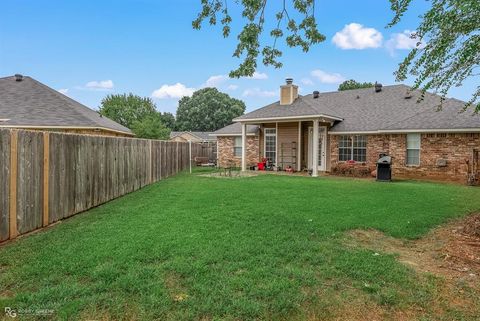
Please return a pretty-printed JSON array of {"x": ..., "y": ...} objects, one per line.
[
  {"x": 270, "y": 144},
  {"x": 352, "y": 148},
  {"x": 237, "y": 147},
  {"x": 413, "y": 149}
]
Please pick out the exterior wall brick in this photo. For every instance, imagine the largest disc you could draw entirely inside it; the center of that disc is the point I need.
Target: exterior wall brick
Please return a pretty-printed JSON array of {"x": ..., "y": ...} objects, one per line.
[
  {"x": 225, "y": 151},
  {"x": 456, "y": 149}
]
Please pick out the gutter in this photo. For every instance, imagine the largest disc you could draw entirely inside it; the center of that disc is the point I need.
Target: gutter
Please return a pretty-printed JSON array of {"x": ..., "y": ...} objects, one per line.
[{"x": 286, "y": 118}]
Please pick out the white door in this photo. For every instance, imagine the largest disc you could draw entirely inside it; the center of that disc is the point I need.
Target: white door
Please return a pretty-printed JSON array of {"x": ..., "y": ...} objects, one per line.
[{"x": 322, "y": 148}]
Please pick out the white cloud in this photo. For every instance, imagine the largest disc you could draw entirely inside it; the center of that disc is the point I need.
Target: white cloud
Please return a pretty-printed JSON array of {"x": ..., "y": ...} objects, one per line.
[
  {"x": 100, "y": 85},
  {"x": 402, "y": 41},
  {"x": 258, "y": 76},
  {"x": 326, "y": 77},
  {"x": 177, "y": 90},
  {"x": 232, "y": 87},
  {"x": 306, "y": 81},
  {"x": 63, "y": 91},
  {"x": 257, "y": 92},
  {"x": 215, "y": 81},
  {"x": 356, "y": 36}
]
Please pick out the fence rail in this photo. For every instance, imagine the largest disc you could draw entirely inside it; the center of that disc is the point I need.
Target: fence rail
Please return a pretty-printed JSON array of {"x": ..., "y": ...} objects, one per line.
[{"x": 47, "y": 176}]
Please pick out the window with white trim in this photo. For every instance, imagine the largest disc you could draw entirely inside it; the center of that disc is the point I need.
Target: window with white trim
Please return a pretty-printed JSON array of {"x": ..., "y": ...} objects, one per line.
[
  {"x": 237, "y": 147},
  {"x": 352, "y": 148},
  {"x": 271, "y": 144},
  {"x": 413, "y": 149}
]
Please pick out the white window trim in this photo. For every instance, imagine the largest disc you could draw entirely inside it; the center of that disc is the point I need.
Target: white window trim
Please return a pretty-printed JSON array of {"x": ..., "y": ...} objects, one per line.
[
  {"x": 419, "y": 150},
  {"x": 265, "y": 142},
  {"x": 352, "y": 148}
]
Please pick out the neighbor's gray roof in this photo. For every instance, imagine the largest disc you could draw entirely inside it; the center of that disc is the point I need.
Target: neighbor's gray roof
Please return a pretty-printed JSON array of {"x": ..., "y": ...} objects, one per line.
[
  {"x": 201, "y": 135},
  {"x": 367, "y": 110},
  {"x": 235, "y": 129},
  {"x": 30, "y": 103}
]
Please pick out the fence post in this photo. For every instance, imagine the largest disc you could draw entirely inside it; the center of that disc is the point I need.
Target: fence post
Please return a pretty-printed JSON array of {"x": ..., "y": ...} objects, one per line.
[
  {"x": 190, "y": 155},
  {"x": 176, "y": 158},
  {"x": 46, "y": 171},
  {"x": 13, "y": 183},
  {"x": 150, "y": 170}
]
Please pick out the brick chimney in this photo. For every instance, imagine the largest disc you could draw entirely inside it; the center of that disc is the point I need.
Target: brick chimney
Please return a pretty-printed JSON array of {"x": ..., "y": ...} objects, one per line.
[{"x": 288, "y": 92}]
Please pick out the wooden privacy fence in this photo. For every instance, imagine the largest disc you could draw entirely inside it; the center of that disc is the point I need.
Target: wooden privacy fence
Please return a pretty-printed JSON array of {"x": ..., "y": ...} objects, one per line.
[{"x": 47, "y": 176}]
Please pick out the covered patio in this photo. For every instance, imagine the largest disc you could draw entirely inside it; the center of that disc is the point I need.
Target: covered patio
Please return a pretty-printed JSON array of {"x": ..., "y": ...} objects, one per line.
[{"x": 291, "y": 142}]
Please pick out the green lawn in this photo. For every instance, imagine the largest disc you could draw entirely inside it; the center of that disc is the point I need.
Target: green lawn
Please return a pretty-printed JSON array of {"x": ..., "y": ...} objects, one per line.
[{"x": 198, "y": 248}]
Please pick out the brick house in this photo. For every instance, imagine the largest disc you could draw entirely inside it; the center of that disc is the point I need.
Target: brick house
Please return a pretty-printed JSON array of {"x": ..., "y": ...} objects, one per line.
[
  {"x": 324, "y": 132},
  {"x": 25, "y": 103}
]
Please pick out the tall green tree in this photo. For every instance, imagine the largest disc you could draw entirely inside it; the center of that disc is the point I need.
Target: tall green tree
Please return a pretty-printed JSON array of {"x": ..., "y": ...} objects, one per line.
[
  {"x": 353, "y": 84},
  {"x": 126, "y": 109},
  {"x": 151, "y": 127},
  {"x": 137, "y": 113},
  {"x": 207, "y": 110},
  {"x": 449, "y": 34},
  {"x": 168, "y": 120}
]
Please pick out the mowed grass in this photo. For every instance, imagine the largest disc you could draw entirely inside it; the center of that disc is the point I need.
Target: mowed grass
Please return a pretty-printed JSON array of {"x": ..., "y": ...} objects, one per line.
[{"x": 259, "y": 248}]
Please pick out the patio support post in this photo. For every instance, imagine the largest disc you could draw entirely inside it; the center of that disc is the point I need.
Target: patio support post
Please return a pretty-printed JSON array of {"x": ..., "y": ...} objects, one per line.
[
  {"x": 244, "y": 145},
  {"x": 315, "y": 149},
  {"x": 299, "y": 147}
]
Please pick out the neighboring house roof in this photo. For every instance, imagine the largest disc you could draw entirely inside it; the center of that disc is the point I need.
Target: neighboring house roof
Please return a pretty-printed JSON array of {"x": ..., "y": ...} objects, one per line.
[
  {"x": 200, "y": 135},
  {"x": 236, "y": 129},
  {"x": 364, "y": 110},
  {"x": 31, "y": 104}
]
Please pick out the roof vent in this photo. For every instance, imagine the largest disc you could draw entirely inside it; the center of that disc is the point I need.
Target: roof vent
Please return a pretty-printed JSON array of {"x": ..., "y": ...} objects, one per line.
[
  {"x": 18, "y": 77},
  {"x": 289, "y": 81},
  {"x": 316, "y": 93},
  {"x": 408, "y": 94},
  {"x": 378, "y": 87}
]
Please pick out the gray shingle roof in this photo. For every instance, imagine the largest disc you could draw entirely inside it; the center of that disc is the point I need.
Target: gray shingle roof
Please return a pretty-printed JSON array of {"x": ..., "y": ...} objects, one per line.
[
  {"x": 367, "y": 110},
  {"x": 235, "y": 129},
  {"x": 31, "y": 103},
  {"x": 201, "y": 135}
]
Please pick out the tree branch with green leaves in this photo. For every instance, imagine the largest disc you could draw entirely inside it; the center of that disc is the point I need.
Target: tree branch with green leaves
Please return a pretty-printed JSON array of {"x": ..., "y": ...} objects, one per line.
[
  {"x": 448, "y": 50},
  {"x": 302, "y": 34}
]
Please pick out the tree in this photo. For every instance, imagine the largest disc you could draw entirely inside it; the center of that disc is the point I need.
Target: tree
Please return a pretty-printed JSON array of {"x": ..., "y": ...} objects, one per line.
[
  {"x": 449, "y": 35},
  {"x": 303, "y": 33},
  {"x": 207, "y": 110},
  {"x": 448, "y": 47},
  {"x": 151, "y": 127},
  {"x": 137, "y": 113},
  {"x": 168, "y": 120},
  {"x": 126, "y": 109},
  {"x": 352, "y": 84}
]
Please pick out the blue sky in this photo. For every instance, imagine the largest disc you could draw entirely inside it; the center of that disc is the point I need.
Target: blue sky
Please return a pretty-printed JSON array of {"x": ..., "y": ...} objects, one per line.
[{"x": 89, "y": 49}]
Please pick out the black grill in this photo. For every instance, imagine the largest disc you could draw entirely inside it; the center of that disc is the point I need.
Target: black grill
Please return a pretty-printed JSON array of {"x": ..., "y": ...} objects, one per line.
[{"x": 384, "y": 168}]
